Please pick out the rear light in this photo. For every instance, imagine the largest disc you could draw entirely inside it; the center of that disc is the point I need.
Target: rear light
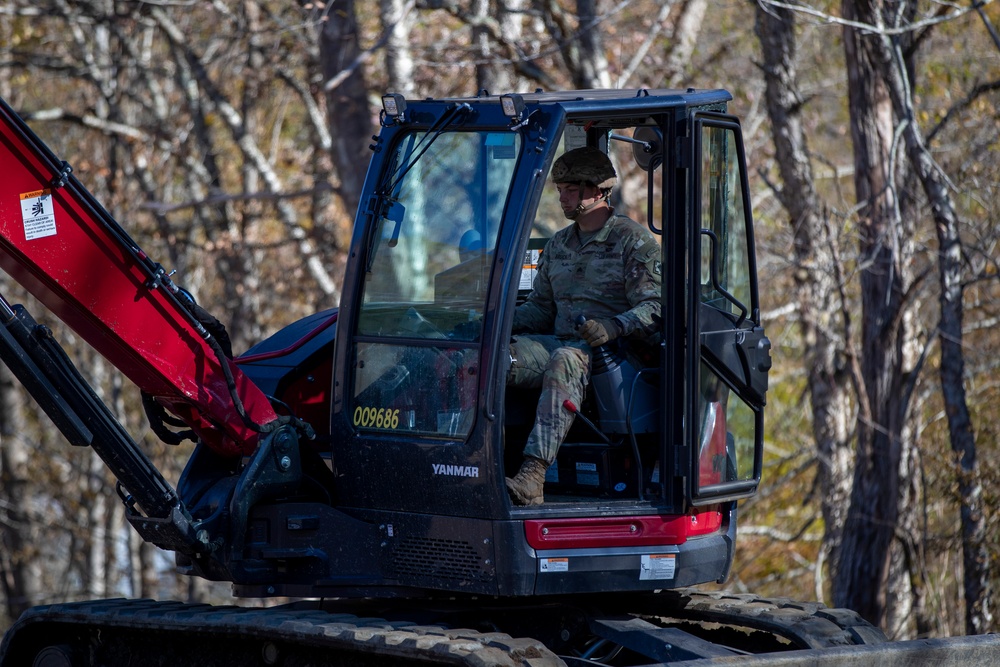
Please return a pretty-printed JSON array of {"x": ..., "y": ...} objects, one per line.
[
  {"x": 620, "y": 531},
  {"x": 704, "y": 523}
]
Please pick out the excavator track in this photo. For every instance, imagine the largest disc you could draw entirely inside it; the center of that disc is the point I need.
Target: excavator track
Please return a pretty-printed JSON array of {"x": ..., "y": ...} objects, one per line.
[
  {"x": 805, "y": 624},
  {"x": 644, "y": 630},
  {"x": 134, "y": 632},
  {"x": 121, "y": 632},
  {"x": 685, "y": 624}
]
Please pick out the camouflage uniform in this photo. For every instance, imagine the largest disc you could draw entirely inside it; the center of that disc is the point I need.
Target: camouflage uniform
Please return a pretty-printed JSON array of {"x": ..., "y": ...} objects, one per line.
[{"x": 613, "y": 274}]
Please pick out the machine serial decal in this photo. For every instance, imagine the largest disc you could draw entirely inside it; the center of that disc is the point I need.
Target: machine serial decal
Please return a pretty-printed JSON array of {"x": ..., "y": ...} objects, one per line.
[
  {"x": 376, "y": 417},
  {"x": 455, "y": 471}
]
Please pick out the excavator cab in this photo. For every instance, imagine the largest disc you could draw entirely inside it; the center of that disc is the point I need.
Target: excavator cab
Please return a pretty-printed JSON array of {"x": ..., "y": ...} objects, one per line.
[{"x": 422, "y": 427}]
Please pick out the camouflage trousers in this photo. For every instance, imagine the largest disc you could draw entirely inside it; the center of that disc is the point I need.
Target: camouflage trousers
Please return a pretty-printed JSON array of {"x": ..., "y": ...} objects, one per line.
[{"x": 561, "y": 367}]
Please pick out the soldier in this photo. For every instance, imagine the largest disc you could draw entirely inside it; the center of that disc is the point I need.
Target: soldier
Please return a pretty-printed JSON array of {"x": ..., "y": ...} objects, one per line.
[{"x": 604, "y": 267}]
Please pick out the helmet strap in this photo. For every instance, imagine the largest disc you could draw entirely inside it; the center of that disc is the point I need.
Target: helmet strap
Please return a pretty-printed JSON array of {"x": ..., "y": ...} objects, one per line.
[{"x": 581, "y": 209}]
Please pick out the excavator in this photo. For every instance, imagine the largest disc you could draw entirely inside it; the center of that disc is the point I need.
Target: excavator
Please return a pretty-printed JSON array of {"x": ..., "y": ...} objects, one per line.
[{"x": 351, "y": 467}]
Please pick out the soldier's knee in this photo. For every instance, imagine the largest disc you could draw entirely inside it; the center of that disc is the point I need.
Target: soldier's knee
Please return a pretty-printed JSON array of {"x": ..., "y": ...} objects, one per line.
[
  {"x": 569, "y": 359},
  {"x": 567, "y": 369}
]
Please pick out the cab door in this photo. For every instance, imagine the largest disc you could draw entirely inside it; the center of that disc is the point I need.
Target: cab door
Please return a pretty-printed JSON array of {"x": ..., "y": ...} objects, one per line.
[
  {"x": 730, "y": 355},
  {"x": 410, "y": 431}
]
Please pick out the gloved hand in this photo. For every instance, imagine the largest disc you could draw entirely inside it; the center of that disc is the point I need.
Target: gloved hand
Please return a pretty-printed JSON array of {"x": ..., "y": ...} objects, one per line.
[{"x": 599, "y": 332}]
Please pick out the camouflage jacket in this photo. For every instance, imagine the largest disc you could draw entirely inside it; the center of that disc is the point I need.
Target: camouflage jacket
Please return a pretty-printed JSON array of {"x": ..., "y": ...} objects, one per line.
[{"x": 614, "y": 274}]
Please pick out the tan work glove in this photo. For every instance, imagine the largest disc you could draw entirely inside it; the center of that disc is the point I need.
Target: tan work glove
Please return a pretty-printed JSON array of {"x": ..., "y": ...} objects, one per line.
[{"x": 599, "y": 332}]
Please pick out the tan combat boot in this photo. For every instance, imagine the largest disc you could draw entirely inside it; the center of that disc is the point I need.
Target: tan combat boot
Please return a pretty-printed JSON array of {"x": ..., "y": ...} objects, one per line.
[{"x": 526, "y": 486}]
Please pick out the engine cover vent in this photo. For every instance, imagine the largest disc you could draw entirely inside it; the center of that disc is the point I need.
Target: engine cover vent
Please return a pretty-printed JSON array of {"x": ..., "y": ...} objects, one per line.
[{"x": 430, "y": 557}]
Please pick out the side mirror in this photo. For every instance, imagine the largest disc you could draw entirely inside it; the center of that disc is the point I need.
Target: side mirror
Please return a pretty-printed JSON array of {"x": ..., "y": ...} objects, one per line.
[{"x": 647, "y": 149}]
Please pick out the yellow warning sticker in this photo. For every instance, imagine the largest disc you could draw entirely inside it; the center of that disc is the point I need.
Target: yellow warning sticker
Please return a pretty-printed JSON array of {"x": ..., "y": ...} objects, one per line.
[{"x": 38, "y": 214}]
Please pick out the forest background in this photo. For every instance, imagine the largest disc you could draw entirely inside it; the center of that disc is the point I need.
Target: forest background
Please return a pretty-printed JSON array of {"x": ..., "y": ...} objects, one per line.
[{"x": 230, "y": 138}]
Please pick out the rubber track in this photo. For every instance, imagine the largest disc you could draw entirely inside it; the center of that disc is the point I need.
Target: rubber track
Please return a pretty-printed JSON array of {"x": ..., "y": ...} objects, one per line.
[
  {"x": 345, "y": 632},
  {"x": 807, "y": 624}
]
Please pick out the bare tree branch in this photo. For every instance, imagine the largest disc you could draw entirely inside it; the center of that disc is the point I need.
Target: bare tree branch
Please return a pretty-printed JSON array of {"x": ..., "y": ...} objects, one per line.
[
  {"x": 867, "y": 28},
  {"x": 253, "y": 153},
  {"x": 214, "y": 200}
]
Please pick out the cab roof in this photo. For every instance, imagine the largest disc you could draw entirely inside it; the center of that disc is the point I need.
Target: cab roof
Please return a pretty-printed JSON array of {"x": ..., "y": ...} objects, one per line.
[
  {"x": 615, "y": 108},
  {"x": 610, "y": 96}
]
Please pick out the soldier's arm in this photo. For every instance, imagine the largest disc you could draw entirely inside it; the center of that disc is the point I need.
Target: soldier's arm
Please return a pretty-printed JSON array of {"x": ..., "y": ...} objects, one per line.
[{"x": 643, "y": 280}]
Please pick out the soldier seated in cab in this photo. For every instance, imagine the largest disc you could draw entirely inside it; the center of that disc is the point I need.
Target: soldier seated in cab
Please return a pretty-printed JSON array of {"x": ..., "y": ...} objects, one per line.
[{"x": 604, "y": 267}]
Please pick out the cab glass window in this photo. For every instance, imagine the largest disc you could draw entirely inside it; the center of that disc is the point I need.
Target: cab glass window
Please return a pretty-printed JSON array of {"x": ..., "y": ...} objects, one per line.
[
  {"x": 729, "y": 426},
  {"x": 429, "y": 258},
  {"x": 724, "y": 233}
]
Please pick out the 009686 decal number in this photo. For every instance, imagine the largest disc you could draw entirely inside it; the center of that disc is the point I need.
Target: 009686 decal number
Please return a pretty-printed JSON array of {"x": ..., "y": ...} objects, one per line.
[{"x": 376, "y": 417}]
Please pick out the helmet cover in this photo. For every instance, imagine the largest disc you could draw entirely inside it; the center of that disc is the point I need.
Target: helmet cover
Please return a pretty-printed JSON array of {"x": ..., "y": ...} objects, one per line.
[{"x": 584, "y": 165}]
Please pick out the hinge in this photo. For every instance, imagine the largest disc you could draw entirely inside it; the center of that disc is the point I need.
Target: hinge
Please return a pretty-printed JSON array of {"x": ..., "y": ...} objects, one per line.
[{"x": 59, "y": 180}]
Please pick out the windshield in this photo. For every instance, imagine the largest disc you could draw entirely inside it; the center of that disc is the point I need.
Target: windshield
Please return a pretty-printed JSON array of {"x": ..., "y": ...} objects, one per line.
[
  {"x": 430, "y": 260},
  {"x": 432, "y": 244}
]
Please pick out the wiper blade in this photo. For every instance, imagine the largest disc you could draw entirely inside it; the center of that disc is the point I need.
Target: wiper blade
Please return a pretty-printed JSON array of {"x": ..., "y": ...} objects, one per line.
[
  {"x": 453, "y": 114},
  {"x": 388, "y": 210},
  {"x": 385, "y": 205}
]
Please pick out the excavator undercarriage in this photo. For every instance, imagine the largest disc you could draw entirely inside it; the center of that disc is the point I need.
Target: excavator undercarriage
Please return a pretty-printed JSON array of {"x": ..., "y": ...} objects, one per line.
[{"x": 666, "y": 627}]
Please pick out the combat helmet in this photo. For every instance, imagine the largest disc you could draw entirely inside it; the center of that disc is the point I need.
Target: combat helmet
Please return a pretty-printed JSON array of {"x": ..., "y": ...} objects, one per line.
[{"x": 584, "y": 165}]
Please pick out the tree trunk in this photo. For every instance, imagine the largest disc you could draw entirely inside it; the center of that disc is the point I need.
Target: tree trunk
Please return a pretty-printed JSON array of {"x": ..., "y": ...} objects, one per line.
[
  {"x": 16, "y": 551},
  {"x": 581, "y": 45},
  {"x": 862, "y": 575},
  {"x": 509, "y": 13},
  {"x": 888, "y": 53},
  {"x": 397, "y": 21},
  {"x": 236, "y": 257},
  {"x": 491, "y": 74},
  {"x": 347, "y": 102},
  {"x": 592, "y": 65},
  {"x": 685, "y": 40},
  {"x": 817, "y": 267}
]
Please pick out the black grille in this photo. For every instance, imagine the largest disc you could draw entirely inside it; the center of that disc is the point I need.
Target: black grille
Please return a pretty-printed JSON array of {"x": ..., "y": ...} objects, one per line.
[{"x": 437, "y": 558}]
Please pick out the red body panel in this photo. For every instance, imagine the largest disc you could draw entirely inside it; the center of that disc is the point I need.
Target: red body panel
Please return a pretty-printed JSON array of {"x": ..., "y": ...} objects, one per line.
[{"x": 58, "y": 243}]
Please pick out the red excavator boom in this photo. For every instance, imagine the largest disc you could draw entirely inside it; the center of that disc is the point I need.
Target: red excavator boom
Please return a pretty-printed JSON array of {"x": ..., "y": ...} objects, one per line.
[{"x": 74, "y": 258}]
